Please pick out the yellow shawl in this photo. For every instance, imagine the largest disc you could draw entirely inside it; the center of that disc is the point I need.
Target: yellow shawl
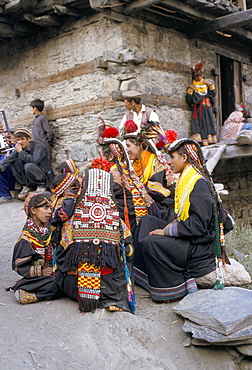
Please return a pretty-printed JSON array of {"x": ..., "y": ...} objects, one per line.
[
  {"x": 144, "y": 166},
  {"x": 185, "y": 185}
]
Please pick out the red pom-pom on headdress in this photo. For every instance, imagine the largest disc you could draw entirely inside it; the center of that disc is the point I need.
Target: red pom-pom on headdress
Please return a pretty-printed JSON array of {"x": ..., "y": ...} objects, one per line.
[
  {"x": 130, "y": 126},
  {"x": 171, "y": 136},
  {"x": 101, "y": 163},
  {"x": 199, "y": 67},
  {"x": 160, "y": 145},
  {"x": 111, "y": 132}
]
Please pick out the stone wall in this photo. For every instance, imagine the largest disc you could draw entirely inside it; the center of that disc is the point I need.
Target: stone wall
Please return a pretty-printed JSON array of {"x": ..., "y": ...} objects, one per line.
[
  {"x": 77, "y": 71},
  {"x": 80, "y": 71},
  {"x": 236, "y": 176}
]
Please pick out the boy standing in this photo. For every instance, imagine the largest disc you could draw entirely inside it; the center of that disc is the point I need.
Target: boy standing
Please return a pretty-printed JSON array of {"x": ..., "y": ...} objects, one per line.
[{"x": 41, "y": 129}]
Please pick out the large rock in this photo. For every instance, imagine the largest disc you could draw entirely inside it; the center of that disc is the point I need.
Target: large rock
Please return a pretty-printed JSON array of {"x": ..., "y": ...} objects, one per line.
[
  {"x": 243, "y": 336},
  {"x": 225, "y": 311},
  {"x": 235, "y": 275},
  {"x": 245, "y": 349}
]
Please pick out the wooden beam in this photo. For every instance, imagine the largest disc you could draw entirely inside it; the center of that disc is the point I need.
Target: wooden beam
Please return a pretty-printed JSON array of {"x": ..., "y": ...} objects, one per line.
[
  {"x": 44, "y": 20},
  {"x": 47, "y": 5},
  {"x": 72, "y": 110},
  {"x": 173, "y": 4},
  {"x": 6, "y": 31},
  {"x": 63, "y": 10},
  {"x": 172, "y": 67},
  {"x": 25, "y": 29},
  {"x": 138, "y": 5},
  {"x": 19, "y": 5},
  {"x": 242, "y": 4},
  {"x": 226, "y": 22},
  {"x": 93, "y": 106}
]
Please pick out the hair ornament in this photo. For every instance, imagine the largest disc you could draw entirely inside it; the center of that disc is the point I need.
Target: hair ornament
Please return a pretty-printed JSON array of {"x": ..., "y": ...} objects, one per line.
[
  {"x": 101, "y": 163},
  {"x": 111, "y": 132}
]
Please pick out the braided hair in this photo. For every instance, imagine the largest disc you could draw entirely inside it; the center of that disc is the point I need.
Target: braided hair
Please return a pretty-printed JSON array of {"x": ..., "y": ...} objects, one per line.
[{"x": 196, "y": 158}]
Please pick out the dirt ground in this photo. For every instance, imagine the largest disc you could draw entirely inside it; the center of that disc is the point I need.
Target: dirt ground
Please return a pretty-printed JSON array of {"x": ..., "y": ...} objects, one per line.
[{"x": 54, "y": 335}]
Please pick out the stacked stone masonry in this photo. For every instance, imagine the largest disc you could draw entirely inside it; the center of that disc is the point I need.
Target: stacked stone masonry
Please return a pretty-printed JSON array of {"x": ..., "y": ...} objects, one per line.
[{"x": 75, "y": 73}]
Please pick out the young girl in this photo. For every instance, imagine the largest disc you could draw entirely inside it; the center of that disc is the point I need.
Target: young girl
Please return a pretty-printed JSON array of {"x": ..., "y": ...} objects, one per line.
[
  {"x": 33, "y": 252},
  {"x": 200, "y": 96},
  {"x": 168, "y": 258},
  {"x": 151, "y": 166}
]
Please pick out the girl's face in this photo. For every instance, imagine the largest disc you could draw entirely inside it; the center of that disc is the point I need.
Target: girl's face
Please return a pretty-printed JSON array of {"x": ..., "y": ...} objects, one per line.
[
  {"x": 133, "y": 150},
  {"x": 199, "y": 77},
  {"x": 41, "y": 215},
  {"x": 178, "y": 162}
]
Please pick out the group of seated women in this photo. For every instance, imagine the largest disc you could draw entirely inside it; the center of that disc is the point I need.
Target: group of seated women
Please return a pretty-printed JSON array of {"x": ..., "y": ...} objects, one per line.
[{"x": 126, "y": 220}]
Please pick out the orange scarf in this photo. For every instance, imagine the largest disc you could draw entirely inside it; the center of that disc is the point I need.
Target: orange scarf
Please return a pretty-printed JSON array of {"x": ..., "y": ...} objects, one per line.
[{"x": 143, "y": 166}]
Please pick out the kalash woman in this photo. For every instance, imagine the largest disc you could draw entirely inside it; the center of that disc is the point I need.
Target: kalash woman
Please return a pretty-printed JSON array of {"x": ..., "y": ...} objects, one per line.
[
  {"x": 94, "y": 257},
  {"x": 168, "y": 258},
  {"x": 33, "y": 252},
  {"x": 200, "y": 95},
  {"x": 151, "y": 165},
  {"x": 132, "y": 198}
]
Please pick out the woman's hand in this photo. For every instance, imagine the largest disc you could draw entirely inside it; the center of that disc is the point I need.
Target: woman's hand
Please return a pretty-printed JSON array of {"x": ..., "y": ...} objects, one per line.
[
  {"x": 47, "y": 272},
  {"x": 160, "y": 232}
]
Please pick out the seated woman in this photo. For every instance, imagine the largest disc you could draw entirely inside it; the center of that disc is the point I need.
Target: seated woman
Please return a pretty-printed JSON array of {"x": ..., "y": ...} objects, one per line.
[
  {"x": 33, "y": 252},
  {"x": 133, "y": 201},
  {"x": 92, "y": 265},
  {"x": 151, "y": 165},
  {"x": 168, "y": 258}
]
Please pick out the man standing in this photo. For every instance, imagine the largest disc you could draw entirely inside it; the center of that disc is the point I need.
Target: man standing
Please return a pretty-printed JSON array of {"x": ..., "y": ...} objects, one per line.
[
  {"x": 41, "y": 129},
  {"x": 136, "y": 111},
  {"x": 29, "y": 164}
]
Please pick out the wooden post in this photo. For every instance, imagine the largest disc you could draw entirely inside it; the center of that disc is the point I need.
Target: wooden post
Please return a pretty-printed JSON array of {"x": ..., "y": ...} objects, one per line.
[{"x": 242, "y": 4}]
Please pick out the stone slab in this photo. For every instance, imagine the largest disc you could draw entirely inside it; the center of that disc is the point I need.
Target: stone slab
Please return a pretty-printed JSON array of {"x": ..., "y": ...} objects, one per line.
[
  {"x": 245, "y": 349},
  {"x": 213, "y": 337},
  {"x": 225, "y": 311}
]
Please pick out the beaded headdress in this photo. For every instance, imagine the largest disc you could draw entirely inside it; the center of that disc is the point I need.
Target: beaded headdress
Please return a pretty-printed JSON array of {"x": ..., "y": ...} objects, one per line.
[{"x": 64, "y": 184}]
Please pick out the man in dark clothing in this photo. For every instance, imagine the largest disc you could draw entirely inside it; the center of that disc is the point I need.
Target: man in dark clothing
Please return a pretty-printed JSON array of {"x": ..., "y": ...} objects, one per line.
[
  {"x": 29, "y": 164},
  {"x": 41, "y": 129},
  {"x": 7, "y": 180}
]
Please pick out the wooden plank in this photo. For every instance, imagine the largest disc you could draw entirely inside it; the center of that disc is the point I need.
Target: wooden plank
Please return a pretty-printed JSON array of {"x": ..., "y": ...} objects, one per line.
[
  {"x": 44, "y": 20},
  {"x": 21, "y": 28},
  {"x": 19, "y": 5},
  {"x": 237, "y": 83},
  {"x": 223, "y": 23},
  {"x": 47, "y": 5},
  {"x": 138, "y": 5},
  {"x": 62, "y": 10},
  {"x": 242, "y": 4},
  {"x": 6, "y": 31},
  {"x": 173, "y": 4},
  {"x": 94, "y": 106},
  {"x": 173, "y": 67},
  {"x": 72, "y": 110},
  {"x": 65, "y": 75}
]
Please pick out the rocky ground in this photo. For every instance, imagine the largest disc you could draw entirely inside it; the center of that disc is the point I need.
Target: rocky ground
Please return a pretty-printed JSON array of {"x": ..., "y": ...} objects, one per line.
[{"x": 54, "y": 335}]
